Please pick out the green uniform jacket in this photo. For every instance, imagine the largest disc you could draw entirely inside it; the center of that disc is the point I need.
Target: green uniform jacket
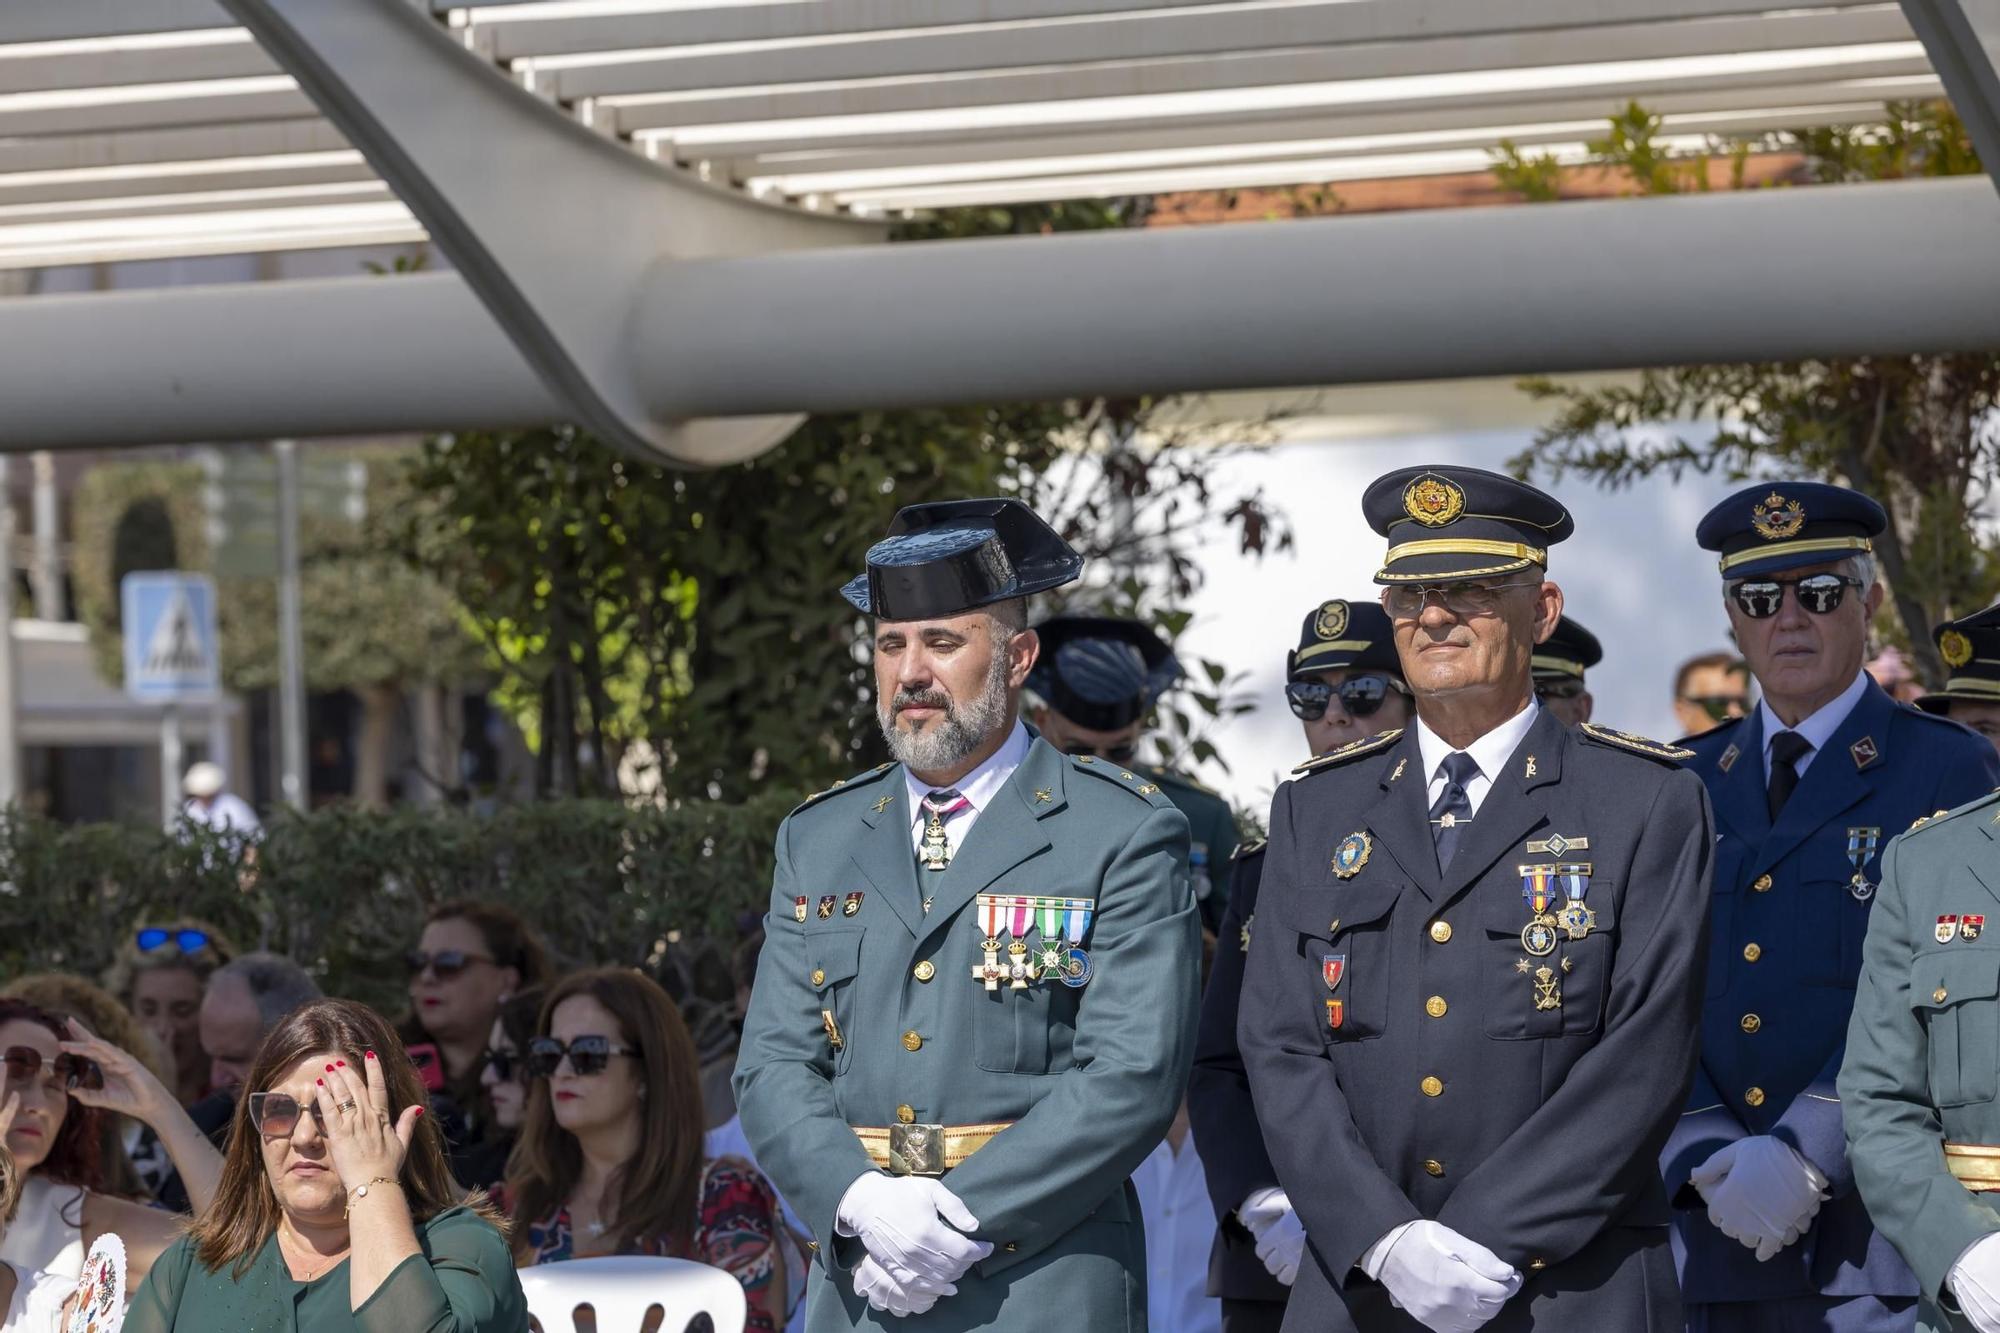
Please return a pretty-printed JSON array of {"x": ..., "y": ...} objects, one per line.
[
  {"x": 1091, "y": 1076},
  {"x": 1212, "y": 841},
  {"x": 1923, "y": 1047}
]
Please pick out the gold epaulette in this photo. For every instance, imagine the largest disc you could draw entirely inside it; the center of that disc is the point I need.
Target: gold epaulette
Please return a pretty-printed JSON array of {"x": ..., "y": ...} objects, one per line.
[
  {"x": 1352, "y": 750},
  {"x": 1625, "y": 740}
]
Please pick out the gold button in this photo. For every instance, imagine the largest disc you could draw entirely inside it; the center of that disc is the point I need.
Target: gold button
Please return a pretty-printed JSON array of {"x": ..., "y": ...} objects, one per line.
[
  {"x": 925, "y": 970},
  {"x": 1750, "y": 1022},
  {"x": 1763, "y": 884},
  {"x": 1937, "y": 996},
  {"x": 1010, "y": 1247},
  {"x": 1537, "y": 1265},
  {"x": 1435, "y": 1006},
  {"x": 912, "y": 1042},
  {"x": 813, "y": 1245},
  {"x": 1434, "y": 1167},
  {"x": 906, "y": 1114},
  {"x": 1752, "y": 952},
  {"x": 819, "y": 976},
  {"x": 1432, "y": 1086},
  {"x": 1755, "y": 1096},
  {"x": 1440, "y": 931}
]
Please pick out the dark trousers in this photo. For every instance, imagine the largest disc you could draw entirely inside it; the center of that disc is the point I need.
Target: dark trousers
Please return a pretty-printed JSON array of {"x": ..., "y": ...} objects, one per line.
[
  {"x": 1807, "y": 1314},
  {"x": 1252, "y": 1316}
]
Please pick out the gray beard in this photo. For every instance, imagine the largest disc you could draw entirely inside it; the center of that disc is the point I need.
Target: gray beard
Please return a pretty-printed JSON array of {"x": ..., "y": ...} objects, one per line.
[{"x": 955, "y": 737}]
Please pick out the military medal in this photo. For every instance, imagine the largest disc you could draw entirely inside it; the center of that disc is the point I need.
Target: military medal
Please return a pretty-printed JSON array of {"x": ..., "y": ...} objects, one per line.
[
  {"x": 1947, "y": 929},
  {"x": 1351, "y": 855},
  {"x": 1049, "y": 959},
  {"x": 1546, "y": 995},
  {"x": 936, "y": 850},
  {"x": 1576, "y": 918},
  {"x": 799, "y": 909},
  {"x": 1077, "y": 968},
  {"x": 1019, "y": 973},
  {"x": 1538, "y": 937},
  {"x": 826, "y": 908},
  {"x": 989, "y": 972},
  {"x": 1861, "y": 845},
  {"x": 1970, "y": 926},
  {"x": 851, "y": 905}
]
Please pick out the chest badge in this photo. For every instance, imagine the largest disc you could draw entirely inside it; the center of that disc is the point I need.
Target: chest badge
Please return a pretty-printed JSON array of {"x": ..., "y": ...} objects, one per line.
[
  {"x": 1557, "y": 845},
  {"x": 1351, "y": 855},
  {"x": 1861, "y": 846},
  {"x": 1332, "y": 967},
  {"x": 799, "y": 909},
  {"x": 826, "y": 908},
  {"x": 1969, "y": 927},
  {"x": 1947, "y": 929},
  {"x": 850, "y": 905},
  {"x": 1547, "y": 994}
]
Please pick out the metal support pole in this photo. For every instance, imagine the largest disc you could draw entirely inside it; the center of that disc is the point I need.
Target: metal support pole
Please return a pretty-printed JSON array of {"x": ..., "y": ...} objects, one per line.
[
  {"x": 46, "y": 571},
  {"x": 170, "y": 764},
  {"x": 291, "y": 642},
  {"x": 10, "y": 750}
]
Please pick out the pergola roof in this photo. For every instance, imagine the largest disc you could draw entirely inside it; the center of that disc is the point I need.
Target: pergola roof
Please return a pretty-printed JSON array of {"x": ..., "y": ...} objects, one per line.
[{"x": 132, "y": 130}]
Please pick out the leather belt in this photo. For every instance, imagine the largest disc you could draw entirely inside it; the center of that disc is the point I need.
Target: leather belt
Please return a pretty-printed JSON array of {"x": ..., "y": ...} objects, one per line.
[
  {"x": 1976, "y": 1165},
  {"x": 925, "y": 1150}
]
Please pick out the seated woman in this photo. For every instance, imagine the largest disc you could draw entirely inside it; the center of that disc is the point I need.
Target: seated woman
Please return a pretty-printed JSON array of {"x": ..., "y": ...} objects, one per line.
[
  {"x": 610, "y": 1160},
  {"x": 65, "y": 1081},
  {"x": 335, "y": 1210},
  {"x": 160, "y": 975},
  {"x": 30, "y": 1302},
  {"x": 503, "y": 1075}
]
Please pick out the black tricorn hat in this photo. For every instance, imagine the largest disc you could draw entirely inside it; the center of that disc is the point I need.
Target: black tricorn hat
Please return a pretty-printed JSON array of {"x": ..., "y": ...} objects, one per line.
[
  {"x": 952, "y": 556},
  {"x": 1971, "y": 650},
  {"x": 1102, "y": 672}
]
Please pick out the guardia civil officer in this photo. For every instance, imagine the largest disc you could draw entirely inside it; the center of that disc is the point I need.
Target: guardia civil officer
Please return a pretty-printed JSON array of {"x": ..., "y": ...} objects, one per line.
[
  {"x": 1092, "y": 691},
  {"x": 1468, "y": 1015},
  {"x": 1920, "y": 1087},
  {"x": 975, "y": 1007},
  {"x": 1559, "y": 664},
  {"x": 1971, "y": 652},
  {"x": 1343, "y": 683},
  {"x": 1807, "y": 789}
]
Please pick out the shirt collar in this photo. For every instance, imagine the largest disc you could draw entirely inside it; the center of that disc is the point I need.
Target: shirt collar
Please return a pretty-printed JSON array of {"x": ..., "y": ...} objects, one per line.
[
  {"x": 1490, "y": 751},
  {"x": 983, "y": 783},
  {"x": 1818, "y": 728}
]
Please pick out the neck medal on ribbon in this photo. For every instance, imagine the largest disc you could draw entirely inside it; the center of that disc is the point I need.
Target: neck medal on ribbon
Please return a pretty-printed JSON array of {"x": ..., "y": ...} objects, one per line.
[{"x": 1861, "y": 845}]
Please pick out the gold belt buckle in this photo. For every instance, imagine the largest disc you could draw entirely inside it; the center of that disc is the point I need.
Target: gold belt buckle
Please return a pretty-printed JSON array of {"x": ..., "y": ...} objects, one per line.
[{"x": 916, "y": 1150}]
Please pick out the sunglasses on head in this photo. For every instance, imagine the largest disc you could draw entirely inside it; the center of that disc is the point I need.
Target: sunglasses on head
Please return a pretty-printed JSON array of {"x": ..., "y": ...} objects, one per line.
[
  {"x": 276, "y": 1114},
  {"x": 1361, "y": 696},
  {"x": 1558, "y": 689},
  {"x": 444, "y": 964},
  {"x": 587, "y": 1055},
  {"x": 1820, "y": 594},
  {"x": 150, "y": 938},
  {"x": 1719, "y": 707},
  {"x": 22, "y": 1063}
]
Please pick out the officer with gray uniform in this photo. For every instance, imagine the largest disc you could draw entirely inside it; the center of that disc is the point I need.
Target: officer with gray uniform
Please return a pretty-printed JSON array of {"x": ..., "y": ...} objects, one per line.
[
  {"x": 974, "y": 1012},
  {"x": 1469, "y": 1011}
]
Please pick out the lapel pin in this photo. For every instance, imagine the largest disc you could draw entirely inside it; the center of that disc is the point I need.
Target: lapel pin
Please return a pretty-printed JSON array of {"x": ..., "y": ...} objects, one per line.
[
  {"x": 1401, "y": 764},
  {"x": 1531, "y": 767},
  {"x": 1557, "y": 845},
  {"x": 1728, "y": 760},
  {"x": 1864, "y": 752},
  {"x": 883, "y": 804},
  {"x": 1043, "y": 796}
]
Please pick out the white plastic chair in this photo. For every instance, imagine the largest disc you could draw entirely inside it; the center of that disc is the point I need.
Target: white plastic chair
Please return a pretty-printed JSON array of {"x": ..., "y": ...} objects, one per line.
[{"x": 623, "y": 1289}]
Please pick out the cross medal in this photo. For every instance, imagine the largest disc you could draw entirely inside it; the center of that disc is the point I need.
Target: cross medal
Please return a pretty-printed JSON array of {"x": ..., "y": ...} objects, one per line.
[{"x": 936, "y": 850}]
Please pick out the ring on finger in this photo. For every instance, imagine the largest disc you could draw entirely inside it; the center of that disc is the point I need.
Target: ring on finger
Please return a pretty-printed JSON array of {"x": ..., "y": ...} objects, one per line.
[{"x": 347, "y": 1105}]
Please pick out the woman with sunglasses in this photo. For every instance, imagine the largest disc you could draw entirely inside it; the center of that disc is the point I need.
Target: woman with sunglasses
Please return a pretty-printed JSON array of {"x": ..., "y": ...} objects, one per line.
[
  {"x": 503, "y": 1074},
  {"x": 1343, "y": 681},
  {"x": 335, "y": 1210},
  {"x": 160, "y": 975},
  {"x": 64, "y": 1082},
  {"x": 611, "y": 1158}
]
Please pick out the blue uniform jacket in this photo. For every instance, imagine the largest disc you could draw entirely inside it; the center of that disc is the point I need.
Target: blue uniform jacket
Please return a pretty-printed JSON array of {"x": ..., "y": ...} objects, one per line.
[{"x": 1786, "y": 935}]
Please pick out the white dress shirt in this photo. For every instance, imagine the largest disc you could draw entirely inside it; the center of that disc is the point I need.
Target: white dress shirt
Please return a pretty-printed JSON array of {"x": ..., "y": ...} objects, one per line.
[
  {"x": 1491, "y": 752},
  {"x": 978, "y": 787},
  {"x": 1180, "y": 1229},
  {"x": 1817, "y": 728}
]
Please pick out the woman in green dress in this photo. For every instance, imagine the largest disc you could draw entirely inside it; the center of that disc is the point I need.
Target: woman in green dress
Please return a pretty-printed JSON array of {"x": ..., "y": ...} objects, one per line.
[{"x": 336, "y": 1212}]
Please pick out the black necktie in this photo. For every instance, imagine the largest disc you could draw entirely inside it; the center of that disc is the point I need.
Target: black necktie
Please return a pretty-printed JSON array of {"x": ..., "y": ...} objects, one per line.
[
  {"x": 1787, "y": 748},
  {"x": 1453, "y": 809}
]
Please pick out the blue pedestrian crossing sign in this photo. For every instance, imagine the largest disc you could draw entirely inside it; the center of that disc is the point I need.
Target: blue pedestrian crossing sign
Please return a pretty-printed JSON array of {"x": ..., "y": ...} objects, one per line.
[{"x": 171, "y": 646}]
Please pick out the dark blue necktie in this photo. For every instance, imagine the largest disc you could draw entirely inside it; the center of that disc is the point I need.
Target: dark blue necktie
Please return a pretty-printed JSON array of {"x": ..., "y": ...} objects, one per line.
[
  {"x": 1452, "y": 810},
  {"x": 1787, "y": 748}
]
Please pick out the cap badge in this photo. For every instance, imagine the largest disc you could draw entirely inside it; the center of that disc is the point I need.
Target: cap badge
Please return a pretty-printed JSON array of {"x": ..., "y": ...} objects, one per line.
[
  {"x": 1777, "y": 519},
  {"x": 1331, "y": 622},
  {"x": 1956, "y": 648},
  {"x": 1433, "y": 501}
]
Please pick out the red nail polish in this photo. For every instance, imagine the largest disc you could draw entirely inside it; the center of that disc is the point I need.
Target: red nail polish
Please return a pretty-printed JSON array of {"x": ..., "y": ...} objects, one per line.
[
  {"x": 320, "y": 1081},
  {"x": 371, "y": 1055},
  {"x": 329, "y": 1069},
  {"x": 420, "y": 1113},
  {"x": 341, "y": 1063}
]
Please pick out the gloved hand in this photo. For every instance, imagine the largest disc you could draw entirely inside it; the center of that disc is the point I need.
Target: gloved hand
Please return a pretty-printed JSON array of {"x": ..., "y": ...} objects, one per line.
[
  {"x": 1446, "y": 1282},
  {"x": 906, "y": 1224},
  {"x": 1761, "y": 1193},
  {"x": 882, "y": 1292},
  {"x": 1281, "y": 1238},
  {"x": 1975, "y": 1281}
]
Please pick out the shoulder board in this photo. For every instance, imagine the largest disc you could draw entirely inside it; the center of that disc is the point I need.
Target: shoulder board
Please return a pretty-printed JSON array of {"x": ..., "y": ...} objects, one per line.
[
  {"x": 1249, "y": 849},
  {"x": 1946, "y": 816},
  {"x": 1625, "y": 740},
  {"x": 1367, "y": 745},
  {"x": 844, "y": 784},
  {"x": 1138, "y": 783}
]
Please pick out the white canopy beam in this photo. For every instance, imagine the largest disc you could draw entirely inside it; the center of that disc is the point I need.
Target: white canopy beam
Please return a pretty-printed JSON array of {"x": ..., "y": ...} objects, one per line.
[{"x": 72, "y": 20}]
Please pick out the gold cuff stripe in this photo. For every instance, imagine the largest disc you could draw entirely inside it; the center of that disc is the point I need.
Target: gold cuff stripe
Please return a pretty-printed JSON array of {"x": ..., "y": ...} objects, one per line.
[
  {"x": 1340, "y": 646},
  {"x": 1729, "y": 562},
  {"x": 960, "y": 1141},
  {"x": 1467, "y": 546},
  {"x": 1976, "y": 1166},
  {"x": 1562, "y": 664}
]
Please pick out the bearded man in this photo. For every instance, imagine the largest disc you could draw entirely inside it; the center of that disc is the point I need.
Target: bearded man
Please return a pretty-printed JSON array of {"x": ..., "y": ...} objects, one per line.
[{"x": 974, "y": 1012}]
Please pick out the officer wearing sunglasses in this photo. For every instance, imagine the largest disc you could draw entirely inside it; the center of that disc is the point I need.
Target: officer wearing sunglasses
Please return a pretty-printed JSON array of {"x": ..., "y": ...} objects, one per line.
[
  {"x": 1343, "y": 683},
  {"x": 1807, "y": 789},
  {"x": 1092, "y": 691}
]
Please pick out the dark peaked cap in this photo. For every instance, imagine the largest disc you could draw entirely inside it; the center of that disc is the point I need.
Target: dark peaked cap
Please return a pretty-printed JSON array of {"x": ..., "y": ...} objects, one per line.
[
  {"x": 952, "y": 556},
  {"x": 1446, "y": 523},
  {"x": 1971, "y": 649}
]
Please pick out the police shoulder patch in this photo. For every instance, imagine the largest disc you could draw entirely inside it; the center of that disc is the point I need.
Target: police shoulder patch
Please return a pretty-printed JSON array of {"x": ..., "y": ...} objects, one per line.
[
  {"x": 1352, "y": 750},
  {"x": 854, "y": 783},
  {"x": 1625, "y": 740}
]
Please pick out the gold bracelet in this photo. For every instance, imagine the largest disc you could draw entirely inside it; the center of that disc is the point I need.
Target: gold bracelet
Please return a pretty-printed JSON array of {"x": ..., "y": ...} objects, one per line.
[{"x": 361, "y": 1191}]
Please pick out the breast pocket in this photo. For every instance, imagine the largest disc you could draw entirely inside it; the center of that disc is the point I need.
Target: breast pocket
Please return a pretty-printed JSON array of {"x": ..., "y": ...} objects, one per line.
[
  {"x": 1835, "y": 920},
  {"x": 1953, "y": 992},
  {"x": 833, "y": 960},
  {"x": 1560, "y": 993},
  {"x": 1343, "y": 939}
]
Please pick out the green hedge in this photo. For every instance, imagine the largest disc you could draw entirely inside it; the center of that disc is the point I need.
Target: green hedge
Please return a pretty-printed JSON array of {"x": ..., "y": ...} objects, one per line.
[{"x": 344, "y": 891}]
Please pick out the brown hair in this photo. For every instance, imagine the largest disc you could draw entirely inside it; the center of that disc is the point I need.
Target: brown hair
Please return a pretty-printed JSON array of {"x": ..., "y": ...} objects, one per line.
[
  {"x": 76, "y": 1157},
  {"x": 244, "y": 1212},
  {"x": 132, "y": 960},
  {"x": 656, "y": 1191},
  {"x": 511, "y": 941}
]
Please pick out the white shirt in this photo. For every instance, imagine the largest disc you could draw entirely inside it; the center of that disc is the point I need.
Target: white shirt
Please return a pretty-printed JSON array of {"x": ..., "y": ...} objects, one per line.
[
  {"x": 226, "y": 812},
  {"x": 1491, "y": 752},
  {"x": 37, "y": 1303},
  {"x": 979, "y": 787},
  {"x": 1817, "y": 728},
  {"x": 1180, "y": 1229}
]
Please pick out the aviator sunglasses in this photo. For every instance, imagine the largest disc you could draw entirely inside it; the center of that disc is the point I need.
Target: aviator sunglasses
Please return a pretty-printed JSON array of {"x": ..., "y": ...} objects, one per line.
[
  {"x": 22, "y": 1063},
  {"x": 588, "y": 1055},
  {"x": 1820, "y": 594},
  {"x": 276, "y": 1114},
  {"x": 1361, "y": 696}
]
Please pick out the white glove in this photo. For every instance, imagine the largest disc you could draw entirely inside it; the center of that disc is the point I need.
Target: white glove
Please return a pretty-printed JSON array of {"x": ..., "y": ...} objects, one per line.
[
  {"x": 906, "y": 1224},
  {"x": 882, "y": 1292},
  {"x": 1281, "y": 1238},
  {"x": 1443, "y": 1280},
  {"x": 1761, "y": 1193},
  {"x": 1975, "y": 1280}
]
